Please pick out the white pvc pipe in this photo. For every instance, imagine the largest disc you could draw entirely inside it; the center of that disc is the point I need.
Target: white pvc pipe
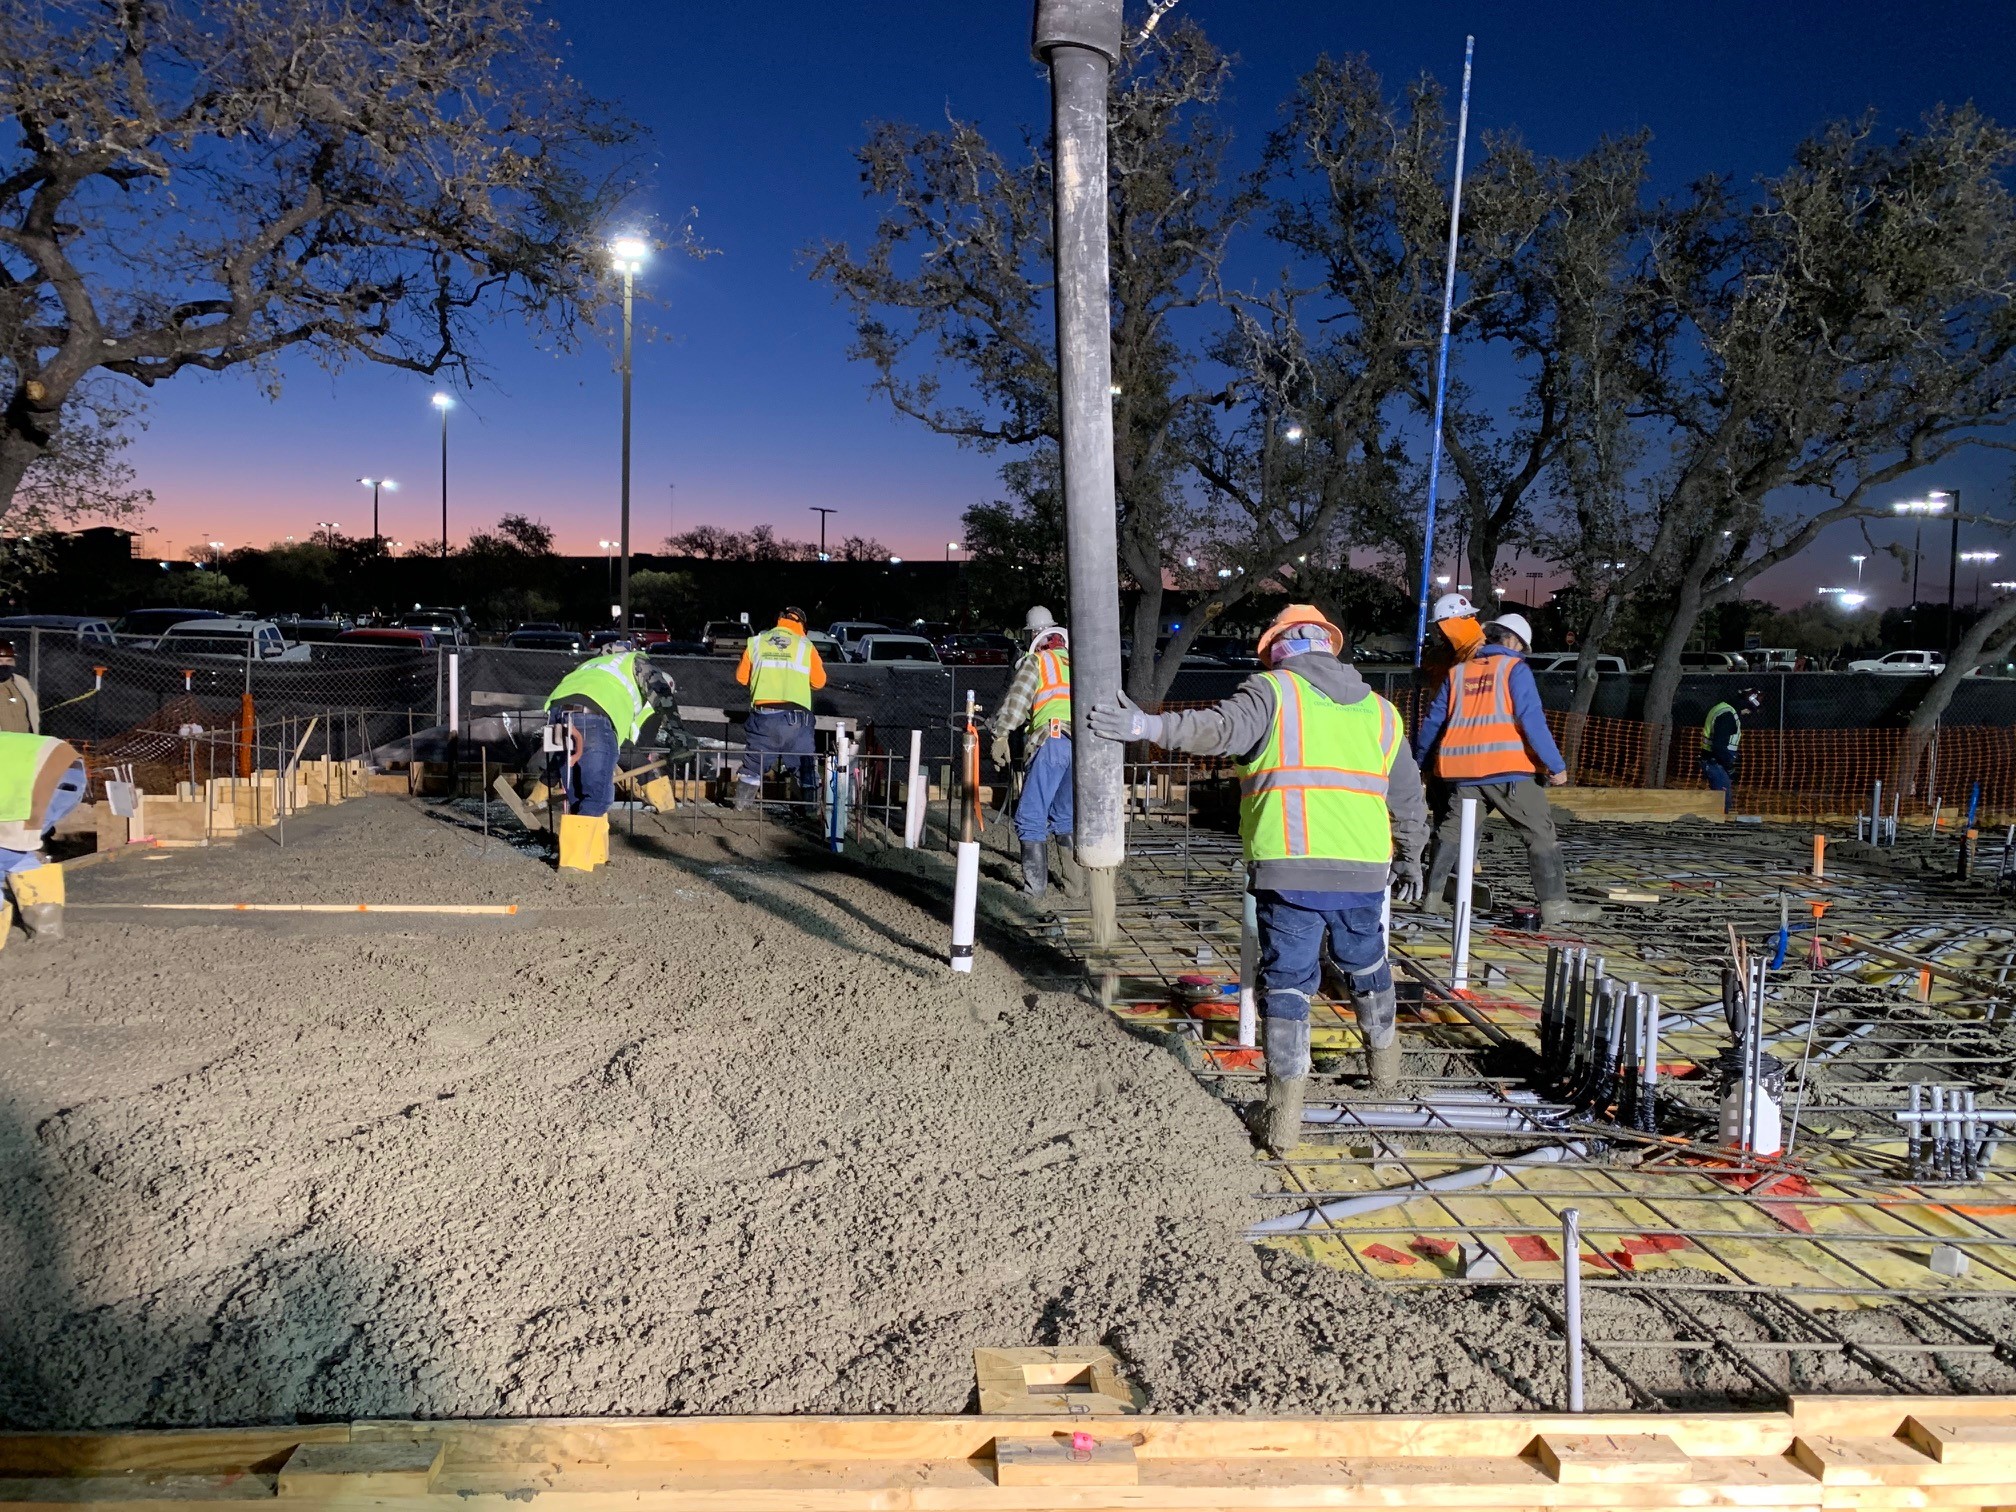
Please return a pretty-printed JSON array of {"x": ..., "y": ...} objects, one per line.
[
  {"x": 914, "y": 794},
  {"x": 454, "y": 693},
  {"x": 965, "y": 896},
  {"x": 1378, "y": 1202},
  {"x": 1249, "y": 972},
  {"x": 1466, "y": 868},
  {"x": 1571, "y": 1300}
]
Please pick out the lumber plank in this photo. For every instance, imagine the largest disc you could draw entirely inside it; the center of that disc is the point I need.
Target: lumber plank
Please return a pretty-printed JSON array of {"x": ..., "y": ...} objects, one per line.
[
  {"x": 387, "y": 1467},
  {"x": 201, "y": 1451},
  {"x": 133, "y": 1487},
  {"x": 1068, "y": 1381},
  {"x": 1980, "y": 1445},
  {"x": 519, "y": 809},
  {"x": 1835, "y": 1461},
  {"x": 1613, "y": 1458}
]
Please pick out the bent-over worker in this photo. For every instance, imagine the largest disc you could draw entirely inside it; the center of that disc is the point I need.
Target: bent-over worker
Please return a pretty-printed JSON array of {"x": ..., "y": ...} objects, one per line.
[
  {"x": 41, "y": 781},
  {"x": 604, "y": 705},
  {"x": 1330, "y": 815},
  {"x": 1039, "y": 699},
  {"x": 1722, "y": 740},
  {"x": 1488, "y": 734},
  {"x": 782, "y": 669}
]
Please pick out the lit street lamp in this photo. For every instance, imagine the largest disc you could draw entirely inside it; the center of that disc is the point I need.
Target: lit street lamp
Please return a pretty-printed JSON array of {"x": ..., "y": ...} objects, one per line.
[
  {"x": 444, "y": 403},
  {"x": 609, "y": 563},
  {"x": 1979, "y": 559},
  {"x": 627, "y": 253},
  {"x": 950, "y": 547},
  {"x": 822, "y": 510},
  {"x": 374, "y": 484},
  {"x": 1858, "y": 561}
]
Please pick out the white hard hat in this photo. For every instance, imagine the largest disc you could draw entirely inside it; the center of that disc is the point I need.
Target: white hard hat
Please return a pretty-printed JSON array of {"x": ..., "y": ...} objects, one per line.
[
  {"x": 1516, "y": 623},
  {"x": 1038, "y": 618},
  {"x": 1453, "y": 606}
]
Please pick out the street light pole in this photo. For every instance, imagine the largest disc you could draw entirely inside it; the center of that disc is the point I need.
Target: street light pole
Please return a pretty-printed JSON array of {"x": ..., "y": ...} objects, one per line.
[
  {"x": 375, "y": 484},
  {"x": 627, "y": 253},
  {"x": 444, "y": 403},
  {"x": 1952, "y": 569},
  {"x": 822, "y": 511}
]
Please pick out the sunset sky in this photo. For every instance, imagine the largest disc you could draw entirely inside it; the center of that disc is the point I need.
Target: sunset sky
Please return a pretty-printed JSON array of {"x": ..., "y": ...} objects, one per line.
[{"x": 745, "y": 399}]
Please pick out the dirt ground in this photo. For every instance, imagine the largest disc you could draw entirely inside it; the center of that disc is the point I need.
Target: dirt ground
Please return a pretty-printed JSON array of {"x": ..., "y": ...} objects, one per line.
[{"x": 710, "y": 1131}]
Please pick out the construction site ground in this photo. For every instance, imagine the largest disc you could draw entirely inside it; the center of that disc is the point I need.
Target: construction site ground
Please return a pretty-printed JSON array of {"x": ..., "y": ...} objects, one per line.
[{"x": 711, "y": 1130}]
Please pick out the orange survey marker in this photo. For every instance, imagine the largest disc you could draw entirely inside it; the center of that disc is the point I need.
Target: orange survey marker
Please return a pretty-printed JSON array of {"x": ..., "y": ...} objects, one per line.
[
  {"x": 1818, "y": 957},
  {"x": 1819, "y": 856}
]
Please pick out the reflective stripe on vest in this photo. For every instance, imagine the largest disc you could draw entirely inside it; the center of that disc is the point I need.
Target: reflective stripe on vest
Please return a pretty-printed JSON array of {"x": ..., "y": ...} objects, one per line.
[
  {"x": 21, "y": 759},
  {"x": 780, "y": 668},
  {"x": 611, "y": 685},
  {"x": 1317, "y": 790},
  {"x": 1482, "y": 738},
  {"x": 1053, "y": 691},
  {"x": 1708, "y": 728}
]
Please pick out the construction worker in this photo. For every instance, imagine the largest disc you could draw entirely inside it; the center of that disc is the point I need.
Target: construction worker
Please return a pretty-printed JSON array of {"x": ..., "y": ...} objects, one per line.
[
  {"x": 602, "y": 705},
  {"x": 41, "y": 780},
  {"x": 1721, "y": 739},
  {"x": 1039, "y": 700},
  {"x": 1488, "y": 736},
  {"x": 19, "y": 713},
  {"x": 781, "y": 669},
  {"x": 1454, "y": 636},
  {"x": 1330, "y": 816}
]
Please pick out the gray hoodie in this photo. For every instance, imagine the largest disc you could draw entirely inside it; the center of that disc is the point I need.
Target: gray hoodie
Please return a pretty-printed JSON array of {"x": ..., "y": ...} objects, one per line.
[{"x": 1239, "y": 727}]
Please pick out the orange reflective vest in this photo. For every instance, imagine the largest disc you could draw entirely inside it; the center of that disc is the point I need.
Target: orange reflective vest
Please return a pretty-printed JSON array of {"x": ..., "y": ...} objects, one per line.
[
  {"x": 1052, "y": 702},
  {"x": 1482, "y": 738}
]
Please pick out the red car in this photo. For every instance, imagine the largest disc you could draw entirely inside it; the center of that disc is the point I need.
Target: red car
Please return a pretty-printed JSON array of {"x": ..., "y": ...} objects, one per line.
[{"x": 983, "y": 650}]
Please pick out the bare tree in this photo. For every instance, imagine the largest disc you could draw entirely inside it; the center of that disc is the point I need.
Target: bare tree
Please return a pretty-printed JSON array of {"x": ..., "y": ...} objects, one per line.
[
  {"x": 1989, "y": 641},
  {"x": 209, "y": 184}
]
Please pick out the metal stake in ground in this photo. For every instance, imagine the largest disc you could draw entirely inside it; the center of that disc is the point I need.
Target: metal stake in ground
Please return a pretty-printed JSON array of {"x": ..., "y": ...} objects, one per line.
[{"x": 1081, "y": 41}]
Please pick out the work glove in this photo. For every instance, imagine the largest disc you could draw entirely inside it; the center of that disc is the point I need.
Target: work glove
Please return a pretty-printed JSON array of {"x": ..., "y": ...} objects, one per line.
[
  {"x": 1406, "y": 879},
  {"x": 1129, "y": 721},
  {"x": 1003, "y": 756}
]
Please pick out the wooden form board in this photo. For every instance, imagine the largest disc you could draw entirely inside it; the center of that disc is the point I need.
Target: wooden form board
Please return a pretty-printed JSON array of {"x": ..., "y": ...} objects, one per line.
[
  {"x": 1638, "y": 805},
  {"x": 1839, "y": 1453}
]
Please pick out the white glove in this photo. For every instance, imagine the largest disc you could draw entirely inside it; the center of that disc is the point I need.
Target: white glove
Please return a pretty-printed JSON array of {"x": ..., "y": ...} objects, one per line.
[
  {"x": 1002, "y": 754},
  {"x": 1129, "y": 721},
  {"x": 1406, "y": 880}
]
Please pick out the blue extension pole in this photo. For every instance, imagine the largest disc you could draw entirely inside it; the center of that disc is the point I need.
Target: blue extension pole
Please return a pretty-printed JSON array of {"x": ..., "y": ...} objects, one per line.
[{"x": 1442, "y": 359}]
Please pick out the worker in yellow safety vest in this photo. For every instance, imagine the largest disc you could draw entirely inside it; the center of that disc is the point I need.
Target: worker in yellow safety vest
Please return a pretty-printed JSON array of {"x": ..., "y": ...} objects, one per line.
[
  {"x": 1330, "y": 817},
  {"x": 782, "y": 669},
  {"x": 597, "y": 709},
  {"x": 41, "y": 780},
  {"x": 1038, "y": 702}
]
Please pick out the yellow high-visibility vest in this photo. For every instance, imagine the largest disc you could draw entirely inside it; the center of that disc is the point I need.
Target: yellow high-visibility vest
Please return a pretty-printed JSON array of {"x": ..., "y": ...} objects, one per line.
[
  {"x": 1317, "y": 790},
  {"x": 609, "y": 683},
  {"x": 780, "y": 668},
  {"x": 1053, "y": 691},
  {"x": 21, "y": 761}
]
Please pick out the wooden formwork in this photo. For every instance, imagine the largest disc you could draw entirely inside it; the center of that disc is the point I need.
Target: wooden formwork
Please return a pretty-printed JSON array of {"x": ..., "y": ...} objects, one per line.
[{"x": 1839, "y": 1452}]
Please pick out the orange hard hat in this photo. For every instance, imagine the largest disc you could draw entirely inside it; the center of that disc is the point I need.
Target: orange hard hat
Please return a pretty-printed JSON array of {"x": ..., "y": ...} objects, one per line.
[{"x": 1299, "y": 614}]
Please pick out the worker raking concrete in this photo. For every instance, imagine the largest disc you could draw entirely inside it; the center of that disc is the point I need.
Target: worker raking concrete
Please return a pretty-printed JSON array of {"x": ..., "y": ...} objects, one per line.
[
  {"x": 598, "y": 708},
  {"x": 1330, "y": 815},
  {"x": 1722, "y": 741},
  {"x": 782, "y": 669},
  {"x": 41, "y": 780},
  {"x": 1038, "y": 701},
  {"x": 1488, "y": 736}
]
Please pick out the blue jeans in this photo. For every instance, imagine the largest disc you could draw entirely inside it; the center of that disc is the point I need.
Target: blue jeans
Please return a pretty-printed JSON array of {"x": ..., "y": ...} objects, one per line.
[
  {"x": 1291, "y": 948},
  {"x": 591, "y": 781},
  {"x": 1723, "y": 780},
  {"x": 69, "y": 793},
  {"x": 778, "y": 732},
  {"x": 1045, "y": 806}
]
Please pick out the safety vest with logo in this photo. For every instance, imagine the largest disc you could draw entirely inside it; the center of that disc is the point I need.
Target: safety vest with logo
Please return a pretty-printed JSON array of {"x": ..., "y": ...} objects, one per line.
[
  {"x": 609, "y": 683},
  {"x": 22, "y": 758},
  {"x": 1053, "y": 692},
  {"x": 780, "y": 668},
  {"x": 1708, "y": 729},
  {"x": 1317, "y": 790},
  {"x": 1482, "y": 738}
]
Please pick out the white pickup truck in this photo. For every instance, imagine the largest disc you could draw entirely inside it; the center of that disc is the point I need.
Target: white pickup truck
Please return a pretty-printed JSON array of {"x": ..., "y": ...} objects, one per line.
[
  {"x": 238, "y": 639},
  {"x": 1903, "y": 664}
]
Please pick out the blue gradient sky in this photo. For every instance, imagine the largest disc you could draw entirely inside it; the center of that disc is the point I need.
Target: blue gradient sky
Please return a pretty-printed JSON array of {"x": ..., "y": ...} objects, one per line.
[{"x": 746, "y": 400}]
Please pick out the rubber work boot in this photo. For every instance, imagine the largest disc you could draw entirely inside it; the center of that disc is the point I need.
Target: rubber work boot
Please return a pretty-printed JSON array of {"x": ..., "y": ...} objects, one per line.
[
  {"x": 38, "y": 895},
  {"x": 1287, "y": 1042},
  {"x": 1070, "y": 875},
  {"x": 746, "y": 794},
  {"x": 1035, "y": 868},
  {"x": 1376, "y": 1024},
  {"x": 577, "y": 843},
  {"x": 1550, "y": 886},
  {"x": 658, "y": 793},
  {"x": 1441, "y": 869},
  {"x": 6, "y": 921}
]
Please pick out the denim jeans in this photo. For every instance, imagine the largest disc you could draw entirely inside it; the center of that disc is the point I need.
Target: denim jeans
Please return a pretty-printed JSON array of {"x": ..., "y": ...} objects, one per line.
[
  {"x": 1291, "y": 948},
  {"x": 591, "y": 781},
  {"x": 1045, "y": 806},
  {"x": 778, "y": 732},
  {"x": 1723, "y": 780},
  {"x": 69, "y": 793}
]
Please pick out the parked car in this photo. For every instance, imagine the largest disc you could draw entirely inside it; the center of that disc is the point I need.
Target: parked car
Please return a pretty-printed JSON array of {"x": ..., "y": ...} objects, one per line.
[
  {"x": 828, "y": 648},
  {"x": 58, "y": 629},
  {"x": 385, "y": 635},
  {"x": 527, "y": 639},
  {"x": 445, "y": 625},
  {"x": 1903, "y": 664},
  {"x": 322, "y": 630},
  {"x": 986, "y": 649},
  {"x": 1564, "y": 661},
  {"x": 1227, "y": 651},
  {"x": 847, "y": 632},
  {"x": 240, "y": 639},
  {"x": 1712, "y": 661},
  {"x": 140, "y": 628},
  {"x": 1774, "y": 658},
  {"x": 934, "y": 631},
  {"x": 724, "y": 637},
  {"x": 885, "y": 647}
]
